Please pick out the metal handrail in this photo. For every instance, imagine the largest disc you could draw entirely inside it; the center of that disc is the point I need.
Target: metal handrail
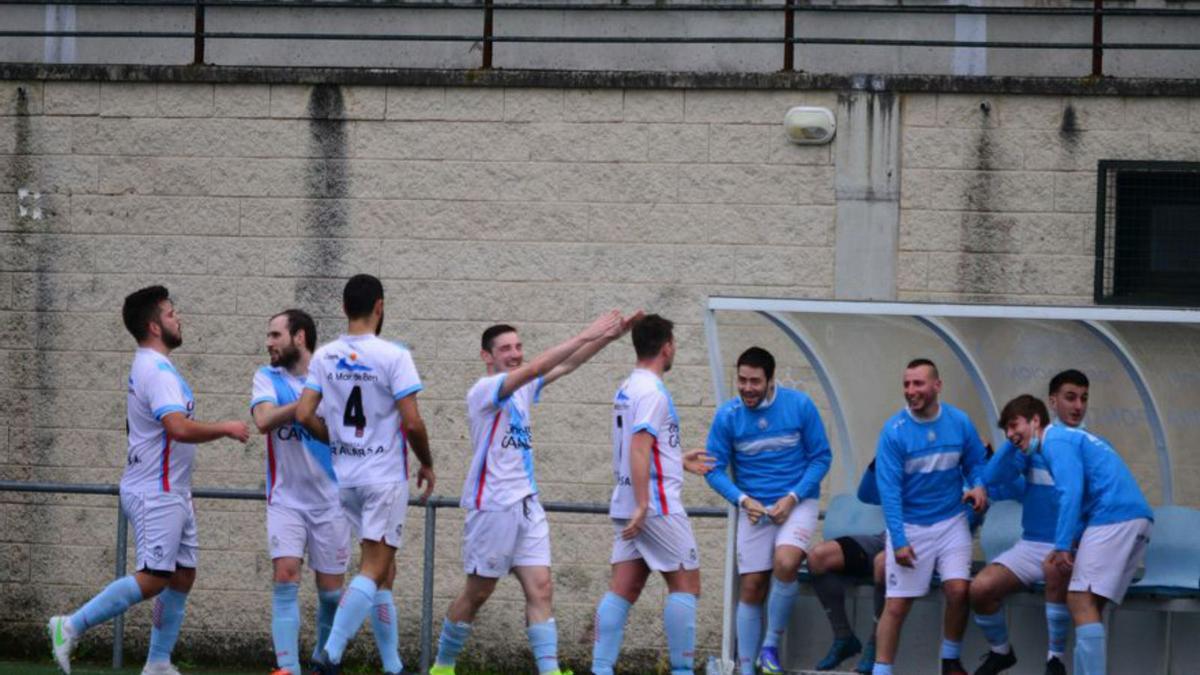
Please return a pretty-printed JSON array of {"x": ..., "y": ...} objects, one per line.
[{"x": 430, "y": 506}]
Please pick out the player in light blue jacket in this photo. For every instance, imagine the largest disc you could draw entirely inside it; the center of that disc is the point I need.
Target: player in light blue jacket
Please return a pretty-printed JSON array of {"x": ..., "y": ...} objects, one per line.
[
  {"x": 772, "y": 440},
  {"x": 1096, "y": 491}
]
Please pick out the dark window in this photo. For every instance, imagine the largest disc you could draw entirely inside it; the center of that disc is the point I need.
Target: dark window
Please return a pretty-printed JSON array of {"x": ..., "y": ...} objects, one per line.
[{"x": 1148, "y": 233}]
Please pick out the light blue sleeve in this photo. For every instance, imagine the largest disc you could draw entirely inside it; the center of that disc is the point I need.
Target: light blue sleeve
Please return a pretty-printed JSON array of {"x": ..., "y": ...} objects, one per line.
[
  {"x": 816, "y": 446},
  {"x": 889, "y": 478},
  {"x": 1066, "y": 466},
  {"x": 719, "y": 445},
  {"x": 1005, "y": 466}
]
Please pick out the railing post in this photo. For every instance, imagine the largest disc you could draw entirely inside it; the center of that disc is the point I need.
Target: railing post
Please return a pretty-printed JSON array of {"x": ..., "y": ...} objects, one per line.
[
  {"x": 427, "y": 584},
  {"x": 1097, "y": 38},
  {"x": 487, "y": 34},
  {"x": 118, "y": 654},
  {"x": 198, "y": 35},
  {"x": 789, "y": 32}
]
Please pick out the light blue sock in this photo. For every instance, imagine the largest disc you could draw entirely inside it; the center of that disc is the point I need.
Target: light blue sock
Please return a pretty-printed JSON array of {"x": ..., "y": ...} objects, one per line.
[
  {"x": 116, "y": 597},
  {"x": 454, "y": 636},
  {"x": 749, "y": 634},
  {"x": 951, "y": 649},
  {"x": 881, "y": 669},
  {"x": 543, "y": 639},
  {"x": 1090, "y": 658},
  {"x": 1058, "y": 622},
  {"x": 679, "y": 621},
  {"x": 327, "y": 604},
  {"x": 994, "y": 630},
  {"x": 779, "y": 609},
  {"x": 168, "y": 617},
  {"x": 356, "y": 604},
  {"x": 387, "y": 636},
  {"x": 285, "y": 626},
  {"x": 611, "y": 614}
]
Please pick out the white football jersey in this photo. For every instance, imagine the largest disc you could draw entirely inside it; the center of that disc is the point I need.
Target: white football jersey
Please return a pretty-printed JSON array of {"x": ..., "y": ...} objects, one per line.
[
  {"x": 299, "y": 467},
  {"x": 154, "y": 462},
  {"x": 501, "y": 471},
  {"x": 360, "y": 378},
  {"x": 643, "y": 404}
]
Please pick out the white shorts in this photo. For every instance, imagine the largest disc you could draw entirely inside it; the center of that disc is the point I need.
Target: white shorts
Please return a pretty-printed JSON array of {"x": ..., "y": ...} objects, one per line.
[
  {"x": 164, "y": 529},
  {"x": 1108, "y": 556},
  {"x": 494, "y": 542},
  {"x": 324, "y": 533},
  {"x": 377, "y": 511},
  {"x": 666, "y": 543},
  {"x": 944, "y": 546},
  {"x": 1025, "y": 560},
  {"x": 756, "y": 543}
]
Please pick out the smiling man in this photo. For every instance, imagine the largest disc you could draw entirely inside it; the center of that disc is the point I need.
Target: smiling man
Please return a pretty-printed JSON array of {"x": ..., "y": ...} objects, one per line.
[{"x": 773, "y": 441}]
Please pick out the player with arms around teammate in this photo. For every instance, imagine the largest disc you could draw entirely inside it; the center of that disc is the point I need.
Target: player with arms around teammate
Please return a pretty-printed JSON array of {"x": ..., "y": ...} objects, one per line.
[
  {"x": 1025, "y": 564},
  {"x": 652, "y": 531},
  {"x": 773, "y": 441},
  {"x": 506, "y": 527},
  {"x": 369, "y": 388},
  {"x": 303, "y": 512},
  {"x": 926, "y": 452},
  {"x": 1098, "y": 493},
  {"x": 155, "y": 488}
]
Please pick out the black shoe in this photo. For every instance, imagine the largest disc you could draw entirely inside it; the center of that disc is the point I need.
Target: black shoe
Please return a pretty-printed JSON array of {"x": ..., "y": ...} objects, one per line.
[
  {"x": 995, "y": 662},
  {"x": 1055, "y": 667},
  {"x": 953, "y": 667},
  {"x": 322, "y": 665}
]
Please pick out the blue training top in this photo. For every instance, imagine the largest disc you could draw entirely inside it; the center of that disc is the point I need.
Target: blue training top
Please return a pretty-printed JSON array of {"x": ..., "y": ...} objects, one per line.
[
  {"x": 1094, "y": 485},
  {"x": 1028, "y": 479},
  {"x": 921, "y": 467},
  {"x": 772, "y": 449}
]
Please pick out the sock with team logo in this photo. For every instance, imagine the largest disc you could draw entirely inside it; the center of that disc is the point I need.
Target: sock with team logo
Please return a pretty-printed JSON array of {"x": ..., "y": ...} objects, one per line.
[
  {"x": 779, "y": 609},
  {"x": 168, "y": 617},
  {"x": 285, "y": 626},
  {"x": 327, "y": 604},
  {"x": 951, "y": 649},
  {"x": 1090, "y": 658},
  {"x": 611, "y": 614},
  {"x": 383, "y": 625},
  {"x": 749, "y": 634},
  {"x": 543, "y": 640},
  {"x": 1058, "y": 622},
  {"x": 454, "y": 636},
  {"x": 995, "y": 630},
  {"x": 116, "y": 597},
  {"x": 679, "y": 620},
  {"x": 356, "y": 604}
]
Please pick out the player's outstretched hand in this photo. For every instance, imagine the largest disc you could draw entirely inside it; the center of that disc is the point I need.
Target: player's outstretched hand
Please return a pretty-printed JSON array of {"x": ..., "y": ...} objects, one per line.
[
  {"x": 634, "y": 527},
  {"x": 603, "y": 325},
  {"x": 698, "y": 462},
  {"x": 627, "y": 322},
  {"x": 780, "y": 510},
  {"x": 426, "y": 478},
  {"x": 977, "y": 498},
  {"x": 237, "y": 430},
  {"x": 754, "y": 509},
  {"x": 906, "y": 556}
]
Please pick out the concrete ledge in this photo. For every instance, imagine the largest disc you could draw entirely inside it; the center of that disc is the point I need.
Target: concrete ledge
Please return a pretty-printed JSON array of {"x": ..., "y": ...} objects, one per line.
[{"x": 603, "y": 79}]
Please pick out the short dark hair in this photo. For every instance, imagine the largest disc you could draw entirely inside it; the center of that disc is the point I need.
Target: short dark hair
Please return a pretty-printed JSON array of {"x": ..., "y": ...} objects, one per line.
[
  {"x": 493, "y": 332},
  {"x": 916, "y": 363},
  {"x": 297, "y": 320},
  {"x": 757, "y": 357},
  {"x": 1025, "y": 405},
  {"x": 359, "y": 296},
  {"x": 1069, "y": 376},
  {"x": 650, "y": 333},
  {"x": 141, "y": 307}
]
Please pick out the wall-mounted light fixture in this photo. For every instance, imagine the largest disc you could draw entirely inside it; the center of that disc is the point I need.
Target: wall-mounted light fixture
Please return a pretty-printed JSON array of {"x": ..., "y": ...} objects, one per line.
[{"x": 808, "y": 125}]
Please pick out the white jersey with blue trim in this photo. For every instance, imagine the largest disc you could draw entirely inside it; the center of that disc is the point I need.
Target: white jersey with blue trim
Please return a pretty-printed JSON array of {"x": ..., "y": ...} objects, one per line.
[
  {"x": 642, "y": 403},
  {"x": 299, "y": 467},
  {"x": 155, "y": 463},
  {"x": 501, "y": 471},
  {"x": 360, "y": 378}
]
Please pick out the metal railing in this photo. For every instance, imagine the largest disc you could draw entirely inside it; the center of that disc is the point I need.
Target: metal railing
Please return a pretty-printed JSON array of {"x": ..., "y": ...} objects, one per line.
[
  {"x": 428, "y": 559},
  {"x": 488, "y": 37}
]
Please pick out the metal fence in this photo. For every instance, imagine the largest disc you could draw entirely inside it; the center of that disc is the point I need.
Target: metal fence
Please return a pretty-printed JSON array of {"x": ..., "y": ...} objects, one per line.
[
  {"x": 488, "y": 37},
  {"x": 430, "y": 507}
]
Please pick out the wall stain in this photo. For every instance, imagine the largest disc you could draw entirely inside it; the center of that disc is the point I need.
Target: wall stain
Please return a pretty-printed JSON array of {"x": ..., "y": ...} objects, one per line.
[
  {"x": 980, "y": 232},
  {"x": 1068, "y": 131},
  {"x": 327, "y": 184}
]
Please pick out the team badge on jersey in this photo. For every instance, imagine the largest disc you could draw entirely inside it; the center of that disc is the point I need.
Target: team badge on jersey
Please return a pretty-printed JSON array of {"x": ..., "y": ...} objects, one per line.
[
  {"x": 931, "y": 436},
  {"x": 762, "y": 423}
]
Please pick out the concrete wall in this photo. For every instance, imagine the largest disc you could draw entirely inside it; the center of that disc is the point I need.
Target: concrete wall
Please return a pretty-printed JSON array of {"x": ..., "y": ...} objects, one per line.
[{"x": 540, "y": 207}]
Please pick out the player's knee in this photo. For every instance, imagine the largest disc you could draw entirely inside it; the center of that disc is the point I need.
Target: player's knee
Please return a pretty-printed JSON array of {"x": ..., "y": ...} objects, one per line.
[
  {"x": 896, "y": 609},
  {"x": 820, "y": 561},
  {"x": 956, "y": 591}
]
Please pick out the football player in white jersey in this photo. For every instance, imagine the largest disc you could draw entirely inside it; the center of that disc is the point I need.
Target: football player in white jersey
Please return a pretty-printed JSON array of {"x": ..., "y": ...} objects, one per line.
[
  {"x": 303, "y": 512},
  {"x": 652, "y": 531},
  {"x": 155, "y": 488},
  {"x": 368, "y": 390},
  {"x": 506, "y": 527}
]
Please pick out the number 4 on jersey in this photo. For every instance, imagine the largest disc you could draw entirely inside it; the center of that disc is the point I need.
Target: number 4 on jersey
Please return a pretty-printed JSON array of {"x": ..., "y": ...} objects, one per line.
[{"x": 354, "y": 416}]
